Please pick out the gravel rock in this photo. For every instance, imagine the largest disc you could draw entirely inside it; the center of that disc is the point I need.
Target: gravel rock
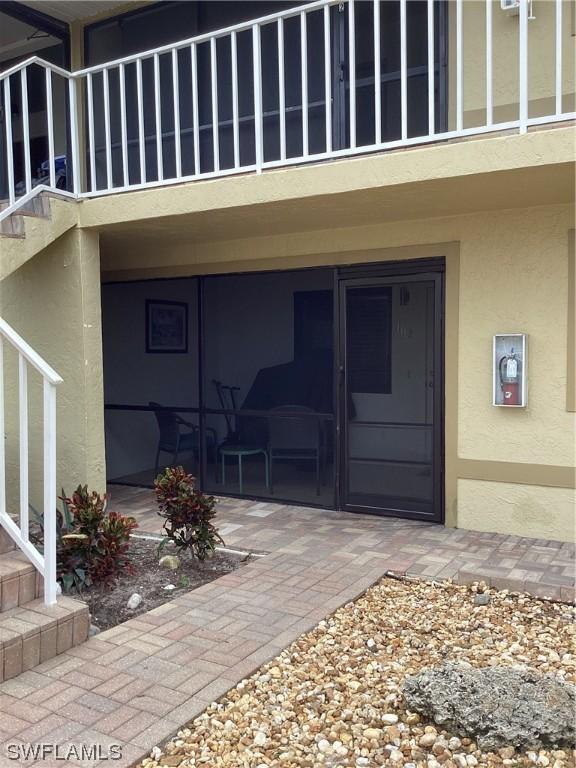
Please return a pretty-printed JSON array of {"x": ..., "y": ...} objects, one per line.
[
  {"x": 134, "y": 601},
  {"x": 330, "y": 686},
  {"x": 482, "y": 598},
  {"x": 501, "y": 707},
  {"x": 172, "y": 562}
]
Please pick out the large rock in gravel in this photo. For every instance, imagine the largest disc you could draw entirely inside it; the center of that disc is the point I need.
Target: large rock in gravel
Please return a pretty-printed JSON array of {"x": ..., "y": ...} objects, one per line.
[{"x": 497, "y": 706}]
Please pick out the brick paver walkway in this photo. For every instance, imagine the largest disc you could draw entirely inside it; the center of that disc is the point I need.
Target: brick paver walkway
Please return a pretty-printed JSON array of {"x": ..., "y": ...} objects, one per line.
[{"x": 136, "y": 684}]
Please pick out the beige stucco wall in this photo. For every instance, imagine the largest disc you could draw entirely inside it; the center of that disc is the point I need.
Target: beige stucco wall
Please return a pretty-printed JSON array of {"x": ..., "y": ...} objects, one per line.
[
  {"x": 514, "y": 270},
  {"x": 53, "y": 301},
  {"x": 522, "y": 510}
]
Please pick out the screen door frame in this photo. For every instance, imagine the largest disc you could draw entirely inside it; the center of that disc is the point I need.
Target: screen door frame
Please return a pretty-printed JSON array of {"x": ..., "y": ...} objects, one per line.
[{"x": 381, "y": 275}]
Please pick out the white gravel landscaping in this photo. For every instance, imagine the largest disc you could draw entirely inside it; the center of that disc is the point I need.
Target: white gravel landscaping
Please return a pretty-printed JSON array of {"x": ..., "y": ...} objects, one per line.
[{"x": 333, "y": 698}]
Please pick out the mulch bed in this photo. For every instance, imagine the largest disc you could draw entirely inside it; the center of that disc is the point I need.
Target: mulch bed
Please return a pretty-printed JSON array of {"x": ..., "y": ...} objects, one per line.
[{"x": 108, "y": 607}]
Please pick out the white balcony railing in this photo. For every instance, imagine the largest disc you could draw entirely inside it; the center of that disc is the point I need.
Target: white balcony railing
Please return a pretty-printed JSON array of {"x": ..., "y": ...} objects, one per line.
[
  {"x": 17, "y": 526},
  {"x": 325, "y": 80}
]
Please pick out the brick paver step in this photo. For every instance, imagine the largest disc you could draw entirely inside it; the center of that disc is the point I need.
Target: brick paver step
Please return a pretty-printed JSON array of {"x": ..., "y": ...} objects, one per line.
[{"x": 33, "y": 633}]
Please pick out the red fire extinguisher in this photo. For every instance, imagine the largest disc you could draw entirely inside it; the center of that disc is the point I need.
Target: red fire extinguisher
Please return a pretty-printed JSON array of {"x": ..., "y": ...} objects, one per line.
[{"x": 509, "y": 370}]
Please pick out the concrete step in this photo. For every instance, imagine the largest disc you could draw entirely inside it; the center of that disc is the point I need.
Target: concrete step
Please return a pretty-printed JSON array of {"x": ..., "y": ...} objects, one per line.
[
  {"x": 14, "y": 226},
  {"x": 33, "y": 633},
  {"x": 38, "y": 206},
  {"x": 6, "y": 543},
  {"x": 30, "y": 632},
  {"x": 20, "y": 582}
]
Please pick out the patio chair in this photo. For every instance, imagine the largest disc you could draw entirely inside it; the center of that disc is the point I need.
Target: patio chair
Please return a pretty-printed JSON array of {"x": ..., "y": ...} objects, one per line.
[
  {"x": 294, "y": 438},
  {"x": 174, "y": 441}
]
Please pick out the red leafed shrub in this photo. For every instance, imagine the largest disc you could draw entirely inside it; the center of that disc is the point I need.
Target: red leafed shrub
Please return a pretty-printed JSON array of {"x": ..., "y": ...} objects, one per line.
[
  {"x": 93, "y": 547},
  {"x": 109, "y": 552},
  {"x": 187, "y": 513}
]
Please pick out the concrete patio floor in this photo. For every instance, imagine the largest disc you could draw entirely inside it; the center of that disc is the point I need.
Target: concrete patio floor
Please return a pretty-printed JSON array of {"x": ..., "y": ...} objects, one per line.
[{"x": 137, "y": 683}]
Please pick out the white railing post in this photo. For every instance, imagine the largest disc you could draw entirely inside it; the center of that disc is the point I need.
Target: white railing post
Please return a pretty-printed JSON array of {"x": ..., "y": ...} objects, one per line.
[
  {"x": 158, "y": 115},
  {"x": 377, "y": 76},
  {"x": 50, "y": 128},
  {"x": 523, "y": 66},
  {"x": 281, "y": 90},
  {"x": 214, "y": 88},
  {"x": 9, "y": 145},
  {"x": 431, "y": 72},
  {"x": 26, "y": 129},
  {"x": 403, "y": 72},
  {"x": 234, "y": 76},
  {"x": 123, "y": 127},
  {"x": 459, "y": 68},
  {"x": 141, "y": 135},
  {"x": 91, "y": 137},
  {"x": 2, "y": 434},
  {"x": 23, "y": 443},
  {"x": 107, "y": 137},
  {"x": 489, "y": 97},
  {"x": 257, "y": 69},
  {"x": 195, "y": 117},
  {"x": 327, "y": 79},
  {"x": 49, "y": 493},
  {"x": 74, "y": 136},
  {"x": 558, "y": 57},
  {"x": 176, "y": 105},
  {"x": 304, "y": 81},
  {"x": 352, "y": 70}
]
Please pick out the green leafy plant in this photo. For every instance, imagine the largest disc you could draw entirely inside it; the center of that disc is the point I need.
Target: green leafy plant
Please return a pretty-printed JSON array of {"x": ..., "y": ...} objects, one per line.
[
  {"x": 92, "y": 544},
  {"x": 187, "y": 513},
  {"x": 71, "y": 548}
]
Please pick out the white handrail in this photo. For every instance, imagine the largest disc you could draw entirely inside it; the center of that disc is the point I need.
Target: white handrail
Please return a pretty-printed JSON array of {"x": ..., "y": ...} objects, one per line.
[
  {"x": 36, "y": 60},
  {"x": 45, "y": 561},
  {"x": 30, "y": 354}
]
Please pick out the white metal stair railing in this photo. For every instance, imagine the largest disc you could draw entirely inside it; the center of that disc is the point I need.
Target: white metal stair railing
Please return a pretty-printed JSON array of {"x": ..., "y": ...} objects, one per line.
[
  {"x": 182, "y": 111},
  {"x": 45, "y": 562},
  {"x": 14, "y": 82}
]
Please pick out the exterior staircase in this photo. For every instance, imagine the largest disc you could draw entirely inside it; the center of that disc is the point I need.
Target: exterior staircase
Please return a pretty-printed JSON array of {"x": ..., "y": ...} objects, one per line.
[
  {"x": 30, "y": 631},
  {"x": 36, "y": 223},
  {"x": 13, "y": 226},
  {"x": 36, "y": 623}
]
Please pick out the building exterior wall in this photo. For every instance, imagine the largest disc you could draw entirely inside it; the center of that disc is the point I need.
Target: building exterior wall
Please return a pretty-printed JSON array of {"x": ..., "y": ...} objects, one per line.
[
  {"x": 510, "y": 471},
  {"x": 53, "y": 302},
  {"x": 507, "y": 271}
]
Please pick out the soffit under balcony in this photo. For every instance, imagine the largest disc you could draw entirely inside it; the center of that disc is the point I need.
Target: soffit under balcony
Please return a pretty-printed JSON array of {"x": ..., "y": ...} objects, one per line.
[{"x": 495, "y": 173}]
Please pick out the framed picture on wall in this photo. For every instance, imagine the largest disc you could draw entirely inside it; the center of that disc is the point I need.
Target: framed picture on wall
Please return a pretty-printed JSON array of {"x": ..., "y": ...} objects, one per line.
[{"x": 166, "y": 326}]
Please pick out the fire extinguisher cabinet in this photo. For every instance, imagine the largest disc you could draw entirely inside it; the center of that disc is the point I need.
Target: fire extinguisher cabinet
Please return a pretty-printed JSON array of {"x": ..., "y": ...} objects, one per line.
[{"x": 509, "y": 370}]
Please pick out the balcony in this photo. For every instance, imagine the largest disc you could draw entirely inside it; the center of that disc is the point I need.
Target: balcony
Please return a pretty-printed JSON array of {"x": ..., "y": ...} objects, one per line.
[{"x": 321, "y": 81}]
